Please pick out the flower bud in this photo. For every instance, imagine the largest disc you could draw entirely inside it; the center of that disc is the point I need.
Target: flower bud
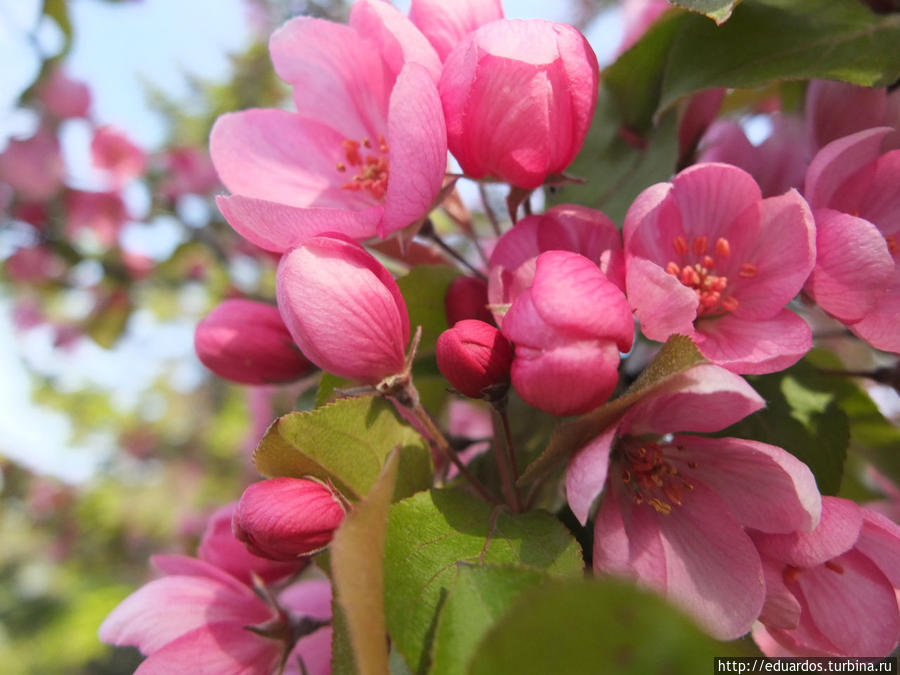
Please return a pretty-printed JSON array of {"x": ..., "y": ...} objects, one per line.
[
  {"x": 285, "y": 518},
  {"x": 474, "y": 356},
  {"x": 518, "y": 98},
  {"x": 343, "y": 309},
  {"x": 247, "y": 342},
  {"x": 467, "y": 298}
]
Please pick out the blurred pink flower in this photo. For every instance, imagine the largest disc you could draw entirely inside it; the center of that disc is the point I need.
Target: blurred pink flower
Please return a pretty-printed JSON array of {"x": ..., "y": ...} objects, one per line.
[
  {"x": 64, "y": 97},
  {"x": 837, "y": 109},
  {"x": 518, "y": 97},
  {"x": 113, "y": 151},
  {"x": 343, "y": 309},
  {"x": 638, "y": 16},
  {"x": 365, "y": 153},
  {"x": 33, "y": 265},
  {"x": 832, "y": 591},
  {"x": 675, "y": 507},
  {"x": 188, "y": 171},
  {"x": 446, "y": 24},
  {"x": 33, "y": 167},
  {"x": 707, "y": 257},
  {"x": 101, "y": 213}
]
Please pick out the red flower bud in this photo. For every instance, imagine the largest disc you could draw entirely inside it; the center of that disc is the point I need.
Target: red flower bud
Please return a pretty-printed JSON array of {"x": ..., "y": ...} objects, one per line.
[
  {"x": 247, "y": 342},
  {"x": 473, "y": 356},
  {"x": 285, "y": 518},
  {"x": 466, "y": 298}
]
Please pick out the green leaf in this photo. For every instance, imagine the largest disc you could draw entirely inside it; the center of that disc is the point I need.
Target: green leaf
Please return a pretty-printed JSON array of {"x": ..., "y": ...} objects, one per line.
[
  {"x": 802, "y": 415},
  {"x": 327, "y": 387},
  {"x": 357, "y": 559},
  {"x": 481, "y": 595},
  {"x": 346, "y": 442},
  {"x": 423, "y": 290},
  {"x": 717, "y": 10},
  {"x": 109, "y": 319},
  {"x": 677, "y": 355},
  {"x": 589, "y": 627},
  {"x": 431, "y": 533}
]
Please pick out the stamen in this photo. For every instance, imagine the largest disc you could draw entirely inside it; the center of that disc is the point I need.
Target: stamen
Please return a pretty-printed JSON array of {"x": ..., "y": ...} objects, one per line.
[
  {"x": 748, "y": 271},
  {"x": 700, "y": 244},
  {"x": 680, "y": 245},
  {"x": 730, "y": 303},
  {"x": 892, "y": 243},
  {"x": 834, "y": 567},
  {"x": 790, "y": 574},
  {"x": 723, "y": 248},
  {"x": 673, "y": 269},
  {"x": 340, "y": 166},
  {"x": 708, "y": 262},
  {"x": 373, "y": 169}
]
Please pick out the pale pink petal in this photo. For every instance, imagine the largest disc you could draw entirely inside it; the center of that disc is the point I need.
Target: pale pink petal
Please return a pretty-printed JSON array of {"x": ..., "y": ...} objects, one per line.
[
  {"x": 315, "y": 653},
  {"x": 782, "y": 496},
  {"x": 701, "y": 110},
  {"x": 279, "y": 227},
  {"x": 661, "y": 303},
  {"x": 311, "y": 597},
  {"x": 726, "y": 142},
  {"x": 755, "y": 346},
  {"x": 710, "y": 198},
  {"x": 837, "y": 109},
  {"x": 838, "y": 161},
  {"x": 281, "y": 157},
  {"x": 804, "y": 640},
  {"x": 837, "y": 532},
  {"x": 781, "y": 609},
  {"x": 879, "y": 540},
  {"x": 853, "y": 265},
  {"x": 215, "y": 649},
  {"x": 445, "y": 24},
  {"x": 182, "y": 565},
  {"x": 399, "y": 41},
  {"x": 338, "y": 75},
  {"x": 646, "y": 205},
  {"x": 418, "y": 150},
  {"x": 881, "y": 201},
  {"x": 586, "y": 473},
  {"x": 704, "y": 398},
  {"x": 879, "y": 327},
  {"x": 767, "y": 644}
]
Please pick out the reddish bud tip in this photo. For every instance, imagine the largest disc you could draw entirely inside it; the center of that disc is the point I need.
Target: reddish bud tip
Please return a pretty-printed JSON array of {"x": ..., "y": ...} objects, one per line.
[
  {"x": 467, "y": 298},
  {"x": 474, "y": 356}
]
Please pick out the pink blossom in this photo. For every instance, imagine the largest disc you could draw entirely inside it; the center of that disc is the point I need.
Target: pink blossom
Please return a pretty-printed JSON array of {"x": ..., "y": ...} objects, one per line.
[
  {"x": 64, "y": 97},
  {"x": 366, "y": 151},
  {"x": 33, "y": 167},
  {"x": 196, "y": 619},
  {"x": 837, "y": 109},
  {"x": 675, "y": 507},
  {"x": 638, "y": 16},
  {"x": 852, "y": 185},
  {"x": 188, "y": 171},
  {"x": 446, "y": 24},
  {"x": 247, "y": 342},
  {"x": 221, "y": 548},
  {"x": 286, "y": 518},
  {"x": 699, "y": 114},
  {"x": 707, "y": 257},
  {"x": 343, "y": 309},
  {"x": 568, "y": 328},
  {"x": 34, "y": 264},
  {"x": 832, "y": 591},
  {"x": 475, "y": 358},
  {"x": 467, "y": 298},
  {"x": 101, "y": 213},
  {"x": 113, "y": 151},
  {"x": 566, "y": 227},
  {"x": 519, "y": 97}
]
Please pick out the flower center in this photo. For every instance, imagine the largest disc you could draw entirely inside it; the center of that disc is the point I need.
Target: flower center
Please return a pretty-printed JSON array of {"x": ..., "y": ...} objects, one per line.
[
  {"x": 711, "y": 288},
  {"x": 651, "y": 478},
  {"x": 370, "y": 162}
]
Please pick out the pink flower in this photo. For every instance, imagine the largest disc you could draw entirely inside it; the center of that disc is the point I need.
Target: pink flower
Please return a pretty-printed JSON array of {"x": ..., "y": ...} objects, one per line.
[
  {"x": 221, "y": 548},
  {"x": 188, "y": 171},
  {"x": 466, "y": 298},
  {"x": 475, "y": 357},
  {"x": 33, "y": 167},
  {"x": 196, "y": 619},
  {"x": 64, "y": 97},
  {"x": 675, "y": 507},
  {"x": 568, "y": 328},
  {"x": 113, "y": 151},
  {"x": 566, "y": 227},
  {"x": 446, "y": 24},
  {"x": 247, "y": 342},
  {"x": 366, "y": 151},
  {"x": 837, "y": 109},
  {"x": 34, "y": 264},
  {"x": 343, "y": 309},
  {"x": 638, "y": 16},
  {"x": 707, "y": 257},
  {"x": 102, "y": 214},
  {"x": 852, "y": 184},
  {"x": 831, "y": 592},
  {"x": 519, "y": 97}
]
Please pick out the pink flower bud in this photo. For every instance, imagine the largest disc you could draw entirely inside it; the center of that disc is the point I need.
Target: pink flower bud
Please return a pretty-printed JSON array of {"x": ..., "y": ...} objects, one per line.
[
  {"x": 285, "y": 518},
  {"x": 518, "y": 98},
  {"x": 467, "y": 298},
  {"x": 343, "y": 309},
  {"x": 474, "y": 356},
  {"x": 247, "y": 342}
]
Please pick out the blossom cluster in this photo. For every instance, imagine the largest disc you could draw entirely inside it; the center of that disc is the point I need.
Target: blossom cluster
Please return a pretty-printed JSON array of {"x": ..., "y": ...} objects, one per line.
[{"x": 734, "y": 531}]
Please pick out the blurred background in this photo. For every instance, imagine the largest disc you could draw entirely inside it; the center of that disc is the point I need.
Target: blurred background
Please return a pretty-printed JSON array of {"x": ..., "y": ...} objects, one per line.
[{"x": 115, "y": 442}]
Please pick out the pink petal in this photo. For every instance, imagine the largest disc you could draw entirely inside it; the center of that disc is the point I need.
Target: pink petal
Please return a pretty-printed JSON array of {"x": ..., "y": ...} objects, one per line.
[
  {"x": 879, "y": 327},
  {"x": 755, "y": 346},
  {"x": 853, "y": 265},
  {"x": 782, "y": 497},
  {"x": 782, "y": 609},
  {"x": 311, "y": 597},
  {"x": 879, "y": 541},
  {"x": 654, "y": 205},
  {"x": 838, "y": 109},
  {"x": 838, "y": 161},
  {"x": 445, "y": 24},
  {"x": 280, "y": 157},
  {"x": 315, "y": 653},
  {"x": 701, "y": 110},
  {"x": 399, "y": 41},
  {"x": 182, "y": 565},
  {"x": 661, "y": 303},
  {"x": 278, "y": 227},
  {"x": 338, "y": 75},
  {"x": 704, "y": 398},
  {"x": 837, "y": 532},
  {"x": 586, "y": 473},
  {"x": 418, "y": 150},
  {"x": 215, "y": 649}
]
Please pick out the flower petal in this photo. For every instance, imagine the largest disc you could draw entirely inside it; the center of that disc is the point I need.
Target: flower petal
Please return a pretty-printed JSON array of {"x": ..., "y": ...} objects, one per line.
[
  {"x": 586, "y": 473},
  {"x": 782, "y": 609},
  {"x": 838, "y": 161},
  {"x": 661, "y": 303},
  {"x": 879, "y": 327}
]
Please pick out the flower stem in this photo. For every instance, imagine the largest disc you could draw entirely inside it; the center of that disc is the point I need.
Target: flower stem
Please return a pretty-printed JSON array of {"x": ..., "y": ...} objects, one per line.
[
  {"x": 506, "y": 458},
  {"x": 489, "y": 212}
]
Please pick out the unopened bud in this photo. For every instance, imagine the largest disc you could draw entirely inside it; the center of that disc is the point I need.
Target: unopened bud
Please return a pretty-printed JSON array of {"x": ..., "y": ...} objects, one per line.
[{"x": 475, "y": 358}]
